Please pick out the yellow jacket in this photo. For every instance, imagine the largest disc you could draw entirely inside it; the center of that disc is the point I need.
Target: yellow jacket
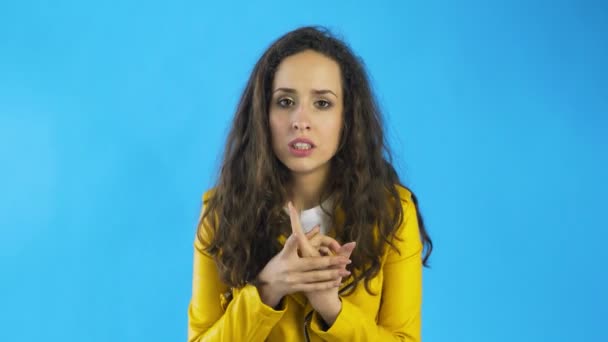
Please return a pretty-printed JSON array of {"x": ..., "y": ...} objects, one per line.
[{"x": 394, "y": 314}]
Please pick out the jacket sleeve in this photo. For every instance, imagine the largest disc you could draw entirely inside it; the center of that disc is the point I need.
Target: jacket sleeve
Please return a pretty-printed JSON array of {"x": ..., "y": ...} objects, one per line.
[
  {"x": 245, "y": 318},
  {"x": 399, "y": 316}
]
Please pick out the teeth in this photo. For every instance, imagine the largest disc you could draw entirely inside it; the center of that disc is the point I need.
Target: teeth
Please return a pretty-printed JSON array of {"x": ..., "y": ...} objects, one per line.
[{"x": 302, "y": 146}]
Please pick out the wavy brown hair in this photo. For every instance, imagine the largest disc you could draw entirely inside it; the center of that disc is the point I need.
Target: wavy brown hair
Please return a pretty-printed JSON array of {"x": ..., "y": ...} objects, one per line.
[{"x": 245, "y": 211}]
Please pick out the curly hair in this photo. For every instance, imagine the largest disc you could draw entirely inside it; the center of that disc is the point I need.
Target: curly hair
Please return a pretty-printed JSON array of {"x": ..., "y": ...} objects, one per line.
[{"x": 245, "y": 212}]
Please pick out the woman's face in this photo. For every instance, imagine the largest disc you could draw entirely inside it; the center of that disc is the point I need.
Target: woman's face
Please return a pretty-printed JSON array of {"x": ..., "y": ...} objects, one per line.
[{"x": 306, "y": 104}]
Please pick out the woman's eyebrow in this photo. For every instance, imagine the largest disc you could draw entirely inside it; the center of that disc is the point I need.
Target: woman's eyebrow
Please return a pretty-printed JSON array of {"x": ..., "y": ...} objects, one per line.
[
  {"x": 314, "y": 91},
  {"x": 323, "y": 92}
]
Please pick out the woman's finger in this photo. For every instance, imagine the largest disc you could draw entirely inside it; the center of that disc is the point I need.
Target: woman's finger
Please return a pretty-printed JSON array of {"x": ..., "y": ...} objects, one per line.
[
  {"x": 321, "y": 240},
  {"x": 291, "y": 244},
  {"x": 347, "y": 249},
  {"x": 296, "y": 227},
  {"x": 310, "y": 287},
  {"x": 314, "y": 231},
  {"x": 316, "y": 276},
  {"x": 316, "y": 241},
  {"x": 325, "y": 251},
  {"x": 320, "y": 263},
  {"x": 304, "y": 246}
]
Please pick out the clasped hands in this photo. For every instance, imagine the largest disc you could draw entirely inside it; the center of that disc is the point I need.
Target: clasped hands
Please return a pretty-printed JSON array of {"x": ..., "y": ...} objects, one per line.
[{"x": 311, "y": 263}]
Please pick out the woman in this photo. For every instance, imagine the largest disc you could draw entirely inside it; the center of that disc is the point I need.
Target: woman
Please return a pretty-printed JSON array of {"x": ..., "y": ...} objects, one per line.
[{"x": 307, "y": 135}]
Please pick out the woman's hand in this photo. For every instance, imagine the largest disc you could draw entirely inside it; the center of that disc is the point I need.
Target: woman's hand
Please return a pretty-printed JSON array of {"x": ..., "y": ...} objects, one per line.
[
  {"x": 325, "y": 301},
  {"x": 287, "y": 273}
]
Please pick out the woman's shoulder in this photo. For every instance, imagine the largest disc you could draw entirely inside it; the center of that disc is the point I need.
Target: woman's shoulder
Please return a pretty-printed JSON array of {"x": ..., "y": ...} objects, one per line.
[
  {"x": 207, "y": 194},
  {"x": 404, "y": 193},
  {"x": 407, "y": 236},
  {"x": 204, "y": 231},
  {"x": 406, "y": 197}
]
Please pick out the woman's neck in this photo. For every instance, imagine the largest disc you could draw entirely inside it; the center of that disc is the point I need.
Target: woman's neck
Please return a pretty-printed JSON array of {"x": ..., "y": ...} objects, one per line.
[{"x": 306, "y": 190}]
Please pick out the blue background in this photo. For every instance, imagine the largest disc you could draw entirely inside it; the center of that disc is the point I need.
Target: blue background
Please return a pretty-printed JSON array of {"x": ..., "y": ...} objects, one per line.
[{"x": 113, "y": 116}]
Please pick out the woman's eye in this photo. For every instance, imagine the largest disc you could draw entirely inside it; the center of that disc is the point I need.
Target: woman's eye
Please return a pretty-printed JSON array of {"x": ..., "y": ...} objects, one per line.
[
  {"x": 285, "y": 102},
  {"x": 323, "y": 104}
]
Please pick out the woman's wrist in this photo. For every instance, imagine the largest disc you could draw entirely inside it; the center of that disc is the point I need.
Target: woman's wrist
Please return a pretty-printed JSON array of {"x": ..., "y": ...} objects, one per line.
[
  {"x": 268, "y": 295},
  {"x": 329, "y": 310}
]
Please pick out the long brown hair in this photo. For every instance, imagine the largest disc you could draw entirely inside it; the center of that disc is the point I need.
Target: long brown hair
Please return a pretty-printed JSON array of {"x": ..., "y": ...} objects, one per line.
[{"x": 245, "y": 211}]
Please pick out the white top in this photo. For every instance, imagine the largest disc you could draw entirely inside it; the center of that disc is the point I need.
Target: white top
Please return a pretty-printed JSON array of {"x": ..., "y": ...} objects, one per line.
[{"x": 313, "y": 216}]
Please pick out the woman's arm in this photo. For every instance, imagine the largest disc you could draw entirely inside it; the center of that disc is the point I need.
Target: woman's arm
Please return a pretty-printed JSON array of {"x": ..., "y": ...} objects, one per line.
[
  {"x": 246, "y": 318},
  {"x": 399, "y": 316}
]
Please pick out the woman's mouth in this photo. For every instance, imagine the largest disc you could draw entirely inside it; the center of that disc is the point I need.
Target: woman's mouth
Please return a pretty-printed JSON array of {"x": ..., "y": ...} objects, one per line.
[{"x": 301, "y": 147}]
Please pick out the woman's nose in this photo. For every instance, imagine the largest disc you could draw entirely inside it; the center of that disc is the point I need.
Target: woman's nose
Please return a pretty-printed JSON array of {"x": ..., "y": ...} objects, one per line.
[
  {"x": 300, "y": 125},
  {"x": 300, "y": 119}
]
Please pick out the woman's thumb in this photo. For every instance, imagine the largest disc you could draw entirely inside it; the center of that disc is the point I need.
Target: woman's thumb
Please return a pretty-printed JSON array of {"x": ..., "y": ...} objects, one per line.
[{"x": 347, "y": 249}]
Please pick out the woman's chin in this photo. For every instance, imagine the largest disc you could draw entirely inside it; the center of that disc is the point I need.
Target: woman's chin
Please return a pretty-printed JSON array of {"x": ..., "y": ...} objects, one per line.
[{"x": 305, "y": 169}]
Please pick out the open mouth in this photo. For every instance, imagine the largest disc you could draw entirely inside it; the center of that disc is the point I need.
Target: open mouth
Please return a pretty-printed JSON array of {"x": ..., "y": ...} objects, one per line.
[{"x": 301, "y": 146}]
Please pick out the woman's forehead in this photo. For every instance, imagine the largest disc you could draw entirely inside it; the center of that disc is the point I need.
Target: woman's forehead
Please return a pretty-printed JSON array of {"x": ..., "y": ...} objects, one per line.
[{"x": 308, "y": 71}]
